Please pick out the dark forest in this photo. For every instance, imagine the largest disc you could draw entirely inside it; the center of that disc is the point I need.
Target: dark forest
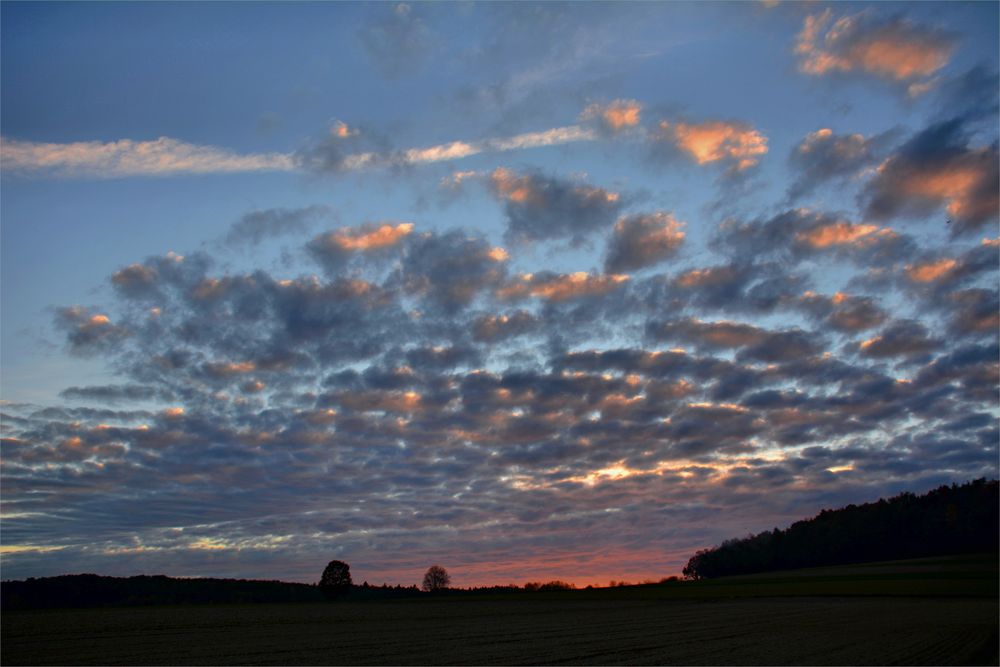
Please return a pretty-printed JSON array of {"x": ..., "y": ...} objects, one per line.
[{"x": 947, "y": 520}]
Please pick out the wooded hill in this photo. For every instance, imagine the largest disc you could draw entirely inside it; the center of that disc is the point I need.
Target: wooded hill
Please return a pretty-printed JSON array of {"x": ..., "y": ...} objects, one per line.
[{"x": 945, "y": 521}]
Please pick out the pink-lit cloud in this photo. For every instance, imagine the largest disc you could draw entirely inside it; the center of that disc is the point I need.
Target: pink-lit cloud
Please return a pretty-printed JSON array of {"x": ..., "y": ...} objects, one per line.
[
  {"x": 896, "y": 48},
  {"x": 559, "y": 287},
  {"x": 738, "y": 144},
  {"x": 615, "y": 116}
]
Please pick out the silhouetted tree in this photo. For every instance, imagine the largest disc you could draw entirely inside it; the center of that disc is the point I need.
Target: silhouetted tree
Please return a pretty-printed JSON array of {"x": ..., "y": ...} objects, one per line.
[
  {"x": 336, "y": 579},
  {"x": 436, "y": 579}
]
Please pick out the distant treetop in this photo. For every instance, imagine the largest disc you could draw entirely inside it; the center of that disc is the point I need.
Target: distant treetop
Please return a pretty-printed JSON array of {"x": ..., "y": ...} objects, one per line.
[
  {"x": 336, "y": 579},
  {"x": 436, "y": 579}
]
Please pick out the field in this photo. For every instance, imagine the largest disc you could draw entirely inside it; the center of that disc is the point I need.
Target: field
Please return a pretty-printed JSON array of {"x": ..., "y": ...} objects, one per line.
[{"x": 932, "y": 611}]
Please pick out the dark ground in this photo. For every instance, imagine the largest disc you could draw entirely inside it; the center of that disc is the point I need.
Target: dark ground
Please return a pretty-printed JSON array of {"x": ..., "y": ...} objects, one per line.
[{"x": 933, "y": 611}]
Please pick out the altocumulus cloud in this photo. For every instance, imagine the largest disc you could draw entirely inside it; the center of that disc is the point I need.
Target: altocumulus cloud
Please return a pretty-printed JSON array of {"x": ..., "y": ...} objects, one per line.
[{"x": 407, "y": 376}]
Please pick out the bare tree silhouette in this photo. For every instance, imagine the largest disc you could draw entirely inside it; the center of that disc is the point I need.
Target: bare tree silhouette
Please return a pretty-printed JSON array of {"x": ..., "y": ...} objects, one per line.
[{"x": 436, "y": 579}]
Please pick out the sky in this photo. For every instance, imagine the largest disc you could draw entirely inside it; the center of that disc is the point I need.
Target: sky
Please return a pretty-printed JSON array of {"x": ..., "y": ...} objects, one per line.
[{"x": 531, "y": 291}]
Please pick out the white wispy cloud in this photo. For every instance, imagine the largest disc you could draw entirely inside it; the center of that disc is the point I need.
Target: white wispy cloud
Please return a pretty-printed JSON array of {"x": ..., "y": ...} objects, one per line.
[
  {"x": 166, "y": 156},
  {"x": 163, "y": 156},
  {"x": 456, "y": 150}
]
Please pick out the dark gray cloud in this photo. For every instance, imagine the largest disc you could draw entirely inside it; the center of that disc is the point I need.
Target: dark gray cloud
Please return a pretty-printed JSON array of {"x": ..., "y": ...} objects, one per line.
[
  {"x": 541, "y": 208},
  {"x": 494, "y": 328},
  {"x": 753, "y": 343},
  {"x": 257, "y": 226},
  {"x": 799, "y": 234},
  {"x": 397, "y": 40},
  {"x": 904, "y": 338},
  {"x": 824, "y": 156},
  {"x": 737, "y": 286},
  {"x": 113, "y": 394},
  {"x": 347, "y": 148},
  {"x": 975, "y": 311},
  {"x": 449, "y": 270},
  {"x": 843, "y": 312},
  {"x": 642, "y": 240},
  {"x": 88, "y": 331},
  {"x": 971, "y": 95}
]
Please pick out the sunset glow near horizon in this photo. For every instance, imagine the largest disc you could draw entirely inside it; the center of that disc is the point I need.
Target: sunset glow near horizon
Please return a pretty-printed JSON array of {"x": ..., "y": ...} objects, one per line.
[{"x": 530, "y": 291}]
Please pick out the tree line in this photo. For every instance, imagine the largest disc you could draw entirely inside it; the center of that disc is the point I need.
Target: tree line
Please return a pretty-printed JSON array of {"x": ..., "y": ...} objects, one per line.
[
  {"x": 947, "y": 520},
  {"x": 92, "y": 590}
]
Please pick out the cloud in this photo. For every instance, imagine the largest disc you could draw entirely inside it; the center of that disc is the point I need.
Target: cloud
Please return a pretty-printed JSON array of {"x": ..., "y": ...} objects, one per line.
[
  {"x": 925, "y": 272},
  {"x": 497, "y": 415},
  {"x": 451, "y": 269},
  {"x": 615, "y": 116},
  {"x": 739, "y": 285},
  {"x": 334, "y": 153},
  {"x": 335, "y": 248},
  {"x": 541, "y": 208},
  {"x": 940, "y": 274},
  {"x": 339, "y": 150},
  {"x": 933, "y": 169},
  {"x": 737, "y": 144},
  {"x": 754, "y": 342},
  {"x": 824, "y": 156},
  {"x": 642, "y": 240},
  {"x": 88, "y": 332},
  {"x": 114, "y": 394},
  {"x": 398, "y": 41},
  {"x": 837, "y": 234},
  {"x": 843, "y": 312},
  {"x": 971, "y": 95},
  {"x": 560, "y": 286},
  {"x": 494, "y": 328},
  {"x": 257, "y": 226},
  {"x": 801, "y": 233},
  {"x": 123, "y": 158},
  {"x": 892, "y": 48},
  {"x": 901, "y": 338},
  {"x": 975, "y": 311}
]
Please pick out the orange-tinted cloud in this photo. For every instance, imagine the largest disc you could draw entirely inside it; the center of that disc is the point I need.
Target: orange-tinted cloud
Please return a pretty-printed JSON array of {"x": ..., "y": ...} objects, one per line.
[
  {"x": 954, "y": 184},
  {"x": 839, "y": 233},
  {"x": 615, "y": 116},
  {"x": 490, "y": 328},
  {"x": 936, "y": 168},
  {"x": 896, "y": 49},
  {"x": 715, "y": 140},
  {"x": 927, "y": 272},
  {"x": 562, "y": 286},
  {"x": 389, "y": 401},
  {"x": 88, "y": 332},
  {"x": 714, "y": 275},
  {"x": 341, "y": 130},
  {"x": 370, "y": 239}
]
